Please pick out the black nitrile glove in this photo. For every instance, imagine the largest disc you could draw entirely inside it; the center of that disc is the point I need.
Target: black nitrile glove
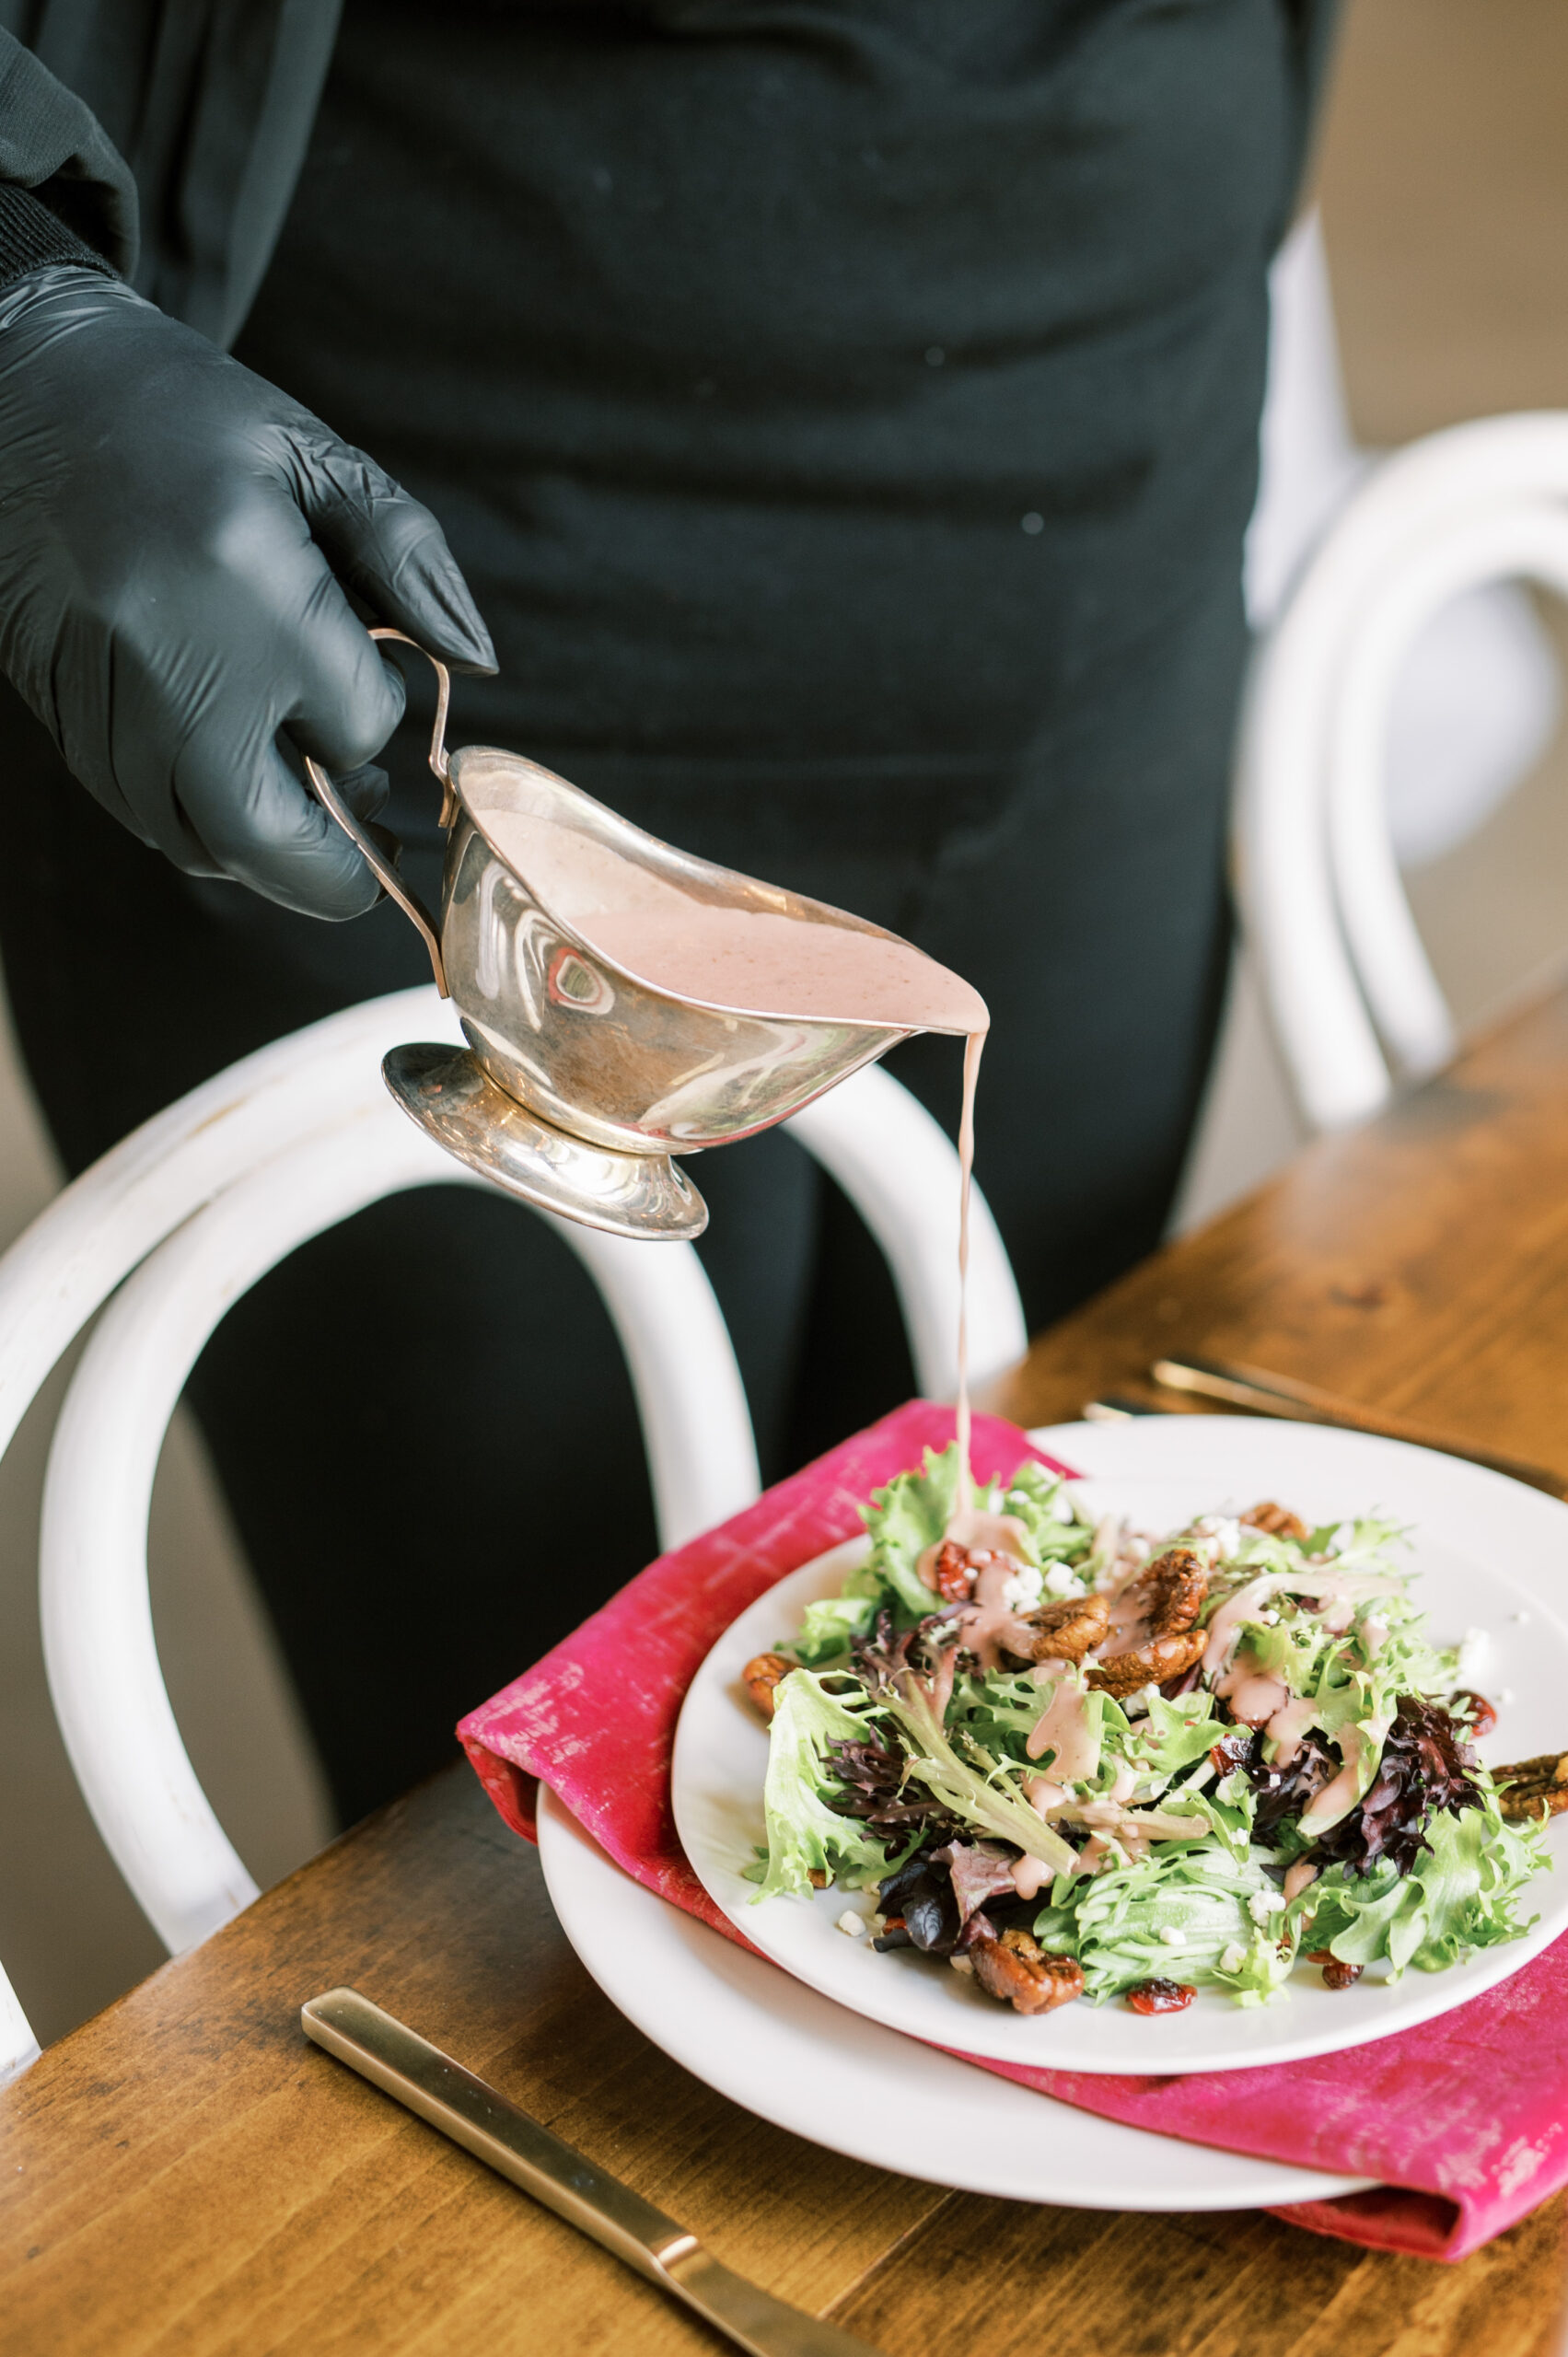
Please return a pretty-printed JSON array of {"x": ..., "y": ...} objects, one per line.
[{"x": 176, "y": 539}]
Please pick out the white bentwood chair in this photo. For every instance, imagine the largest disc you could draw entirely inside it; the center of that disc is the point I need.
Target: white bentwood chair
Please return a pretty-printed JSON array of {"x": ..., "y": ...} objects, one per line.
[
  {"x": 193, "y": 1208},
  {"x": 1353, "y": 1000}
]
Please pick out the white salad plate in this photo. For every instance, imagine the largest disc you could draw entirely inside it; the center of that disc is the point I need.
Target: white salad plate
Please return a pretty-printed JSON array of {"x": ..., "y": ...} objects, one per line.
[{"x": 1465, "y": 1526}]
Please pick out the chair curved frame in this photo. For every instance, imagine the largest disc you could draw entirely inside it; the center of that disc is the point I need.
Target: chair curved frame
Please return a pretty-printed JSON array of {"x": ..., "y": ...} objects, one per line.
[
  {"x": 323, "y": 1152},
  {"x": 100, "y": 1648},
  {"x": 1326, "y": 913},
  {"x": 18, "y": 2047}
]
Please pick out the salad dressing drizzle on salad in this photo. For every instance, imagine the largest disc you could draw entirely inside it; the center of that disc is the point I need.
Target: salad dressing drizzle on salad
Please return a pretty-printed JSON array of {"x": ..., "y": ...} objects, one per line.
[
  {"x": 1286, "y": 1728},
  {"x": 963, "y": 1731},
  {"x": 1257, "y": 1698},
  {"x": 1064, "y": 1727},
  {"x": 990, "y": 1624}
]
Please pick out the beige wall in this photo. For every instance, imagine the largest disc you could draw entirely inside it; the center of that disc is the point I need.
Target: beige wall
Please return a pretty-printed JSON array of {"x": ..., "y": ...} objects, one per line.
[{"x": 1444, "y": 189}]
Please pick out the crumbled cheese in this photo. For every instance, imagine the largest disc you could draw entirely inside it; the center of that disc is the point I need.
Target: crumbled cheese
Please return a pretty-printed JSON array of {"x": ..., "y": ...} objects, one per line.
[
  {"x": 1474, "y": 1645},
  {"x": 1233, "y": 1957},
  {"x": 1061, "y": 1581},
  {"x": 1062, "y": 1507},
  {"x": 1172, "y": 1937},
  {"x": 1022, "y": 1592},
  {"x": 1264, "y": 1903},
  {"x": 961, "y": 1964},
  {"x": 1270, "y": 1618},
  {"x": 1138, "y": 1705},
  {"x": 852, "y": 1924}
]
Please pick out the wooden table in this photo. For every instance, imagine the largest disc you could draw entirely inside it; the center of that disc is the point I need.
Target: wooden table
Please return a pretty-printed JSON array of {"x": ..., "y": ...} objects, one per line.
[{"x": 185, "y": 2173}]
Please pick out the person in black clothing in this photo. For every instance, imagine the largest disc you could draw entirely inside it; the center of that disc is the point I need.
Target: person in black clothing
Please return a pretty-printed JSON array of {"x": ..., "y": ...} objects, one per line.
[{"x": 844, "y": 415}]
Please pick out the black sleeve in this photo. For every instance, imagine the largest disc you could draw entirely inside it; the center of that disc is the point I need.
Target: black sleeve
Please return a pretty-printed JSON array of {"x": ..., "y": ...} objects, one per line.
[{"x": 66, "y": 195}]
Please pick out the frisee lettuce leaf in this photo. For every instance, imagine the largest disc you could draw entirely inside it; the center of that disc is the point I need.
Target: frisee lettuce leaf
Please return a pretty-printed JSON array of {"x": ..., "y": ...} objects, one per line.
[
  {"x": 904, "y": 1519},
  {"x": 1460, "y": 1895},
  {"x": 804, "y": 1832},
  {"x": 970, "y": 1780},
  {"x": 1115, "y": 1924},
  {"x": 829, "y": 1627},
  {"x": 1039, "y": 1500},
  {"x": 915, "y": 1509}
]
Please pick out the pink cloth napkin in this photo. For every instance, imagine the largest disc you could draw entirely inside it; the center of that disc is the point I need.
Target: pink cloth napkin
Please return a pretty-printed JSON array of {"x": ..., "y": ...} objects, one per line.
[{"x": 1463, "y": 2121}]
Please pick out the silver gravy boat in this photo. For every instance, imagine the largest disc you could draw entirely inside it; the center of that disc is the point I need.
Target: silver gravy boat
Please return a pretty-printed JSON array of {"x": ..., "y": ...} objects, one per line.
[{"x": 581, "y": 1083}]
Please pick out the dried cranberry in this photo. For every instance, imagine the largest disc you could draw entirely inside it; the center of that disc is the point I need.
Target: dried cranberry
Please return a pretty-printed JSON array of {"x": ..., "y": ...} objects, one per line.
[
  {"x": 1234, "y": 1750},
  {"x": 1483, "y": 1714},
  {"x": 1160, "y": 1996},
  {"x": 1335, "y": 1974},
  {"x": 954, "y": 1573}
]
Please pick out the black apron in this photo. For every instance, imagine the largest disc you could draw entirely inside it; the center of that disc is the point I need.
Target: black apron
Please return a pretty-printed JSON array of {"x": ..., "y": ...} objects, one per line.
[{"x": 846, "y": 417}]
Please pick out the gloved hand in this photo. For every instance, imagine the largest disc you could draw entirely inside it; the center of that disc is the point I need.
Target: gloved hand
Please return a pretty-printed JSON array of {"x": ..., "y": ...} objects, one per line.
[{"x": 175, "y": 539}]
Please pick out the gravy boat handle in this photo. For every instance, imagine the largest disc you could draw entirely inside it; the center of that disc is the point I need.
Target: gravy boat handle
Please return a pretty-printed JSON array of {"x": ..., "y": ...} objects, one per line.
[{"x": 369, "y": 850}]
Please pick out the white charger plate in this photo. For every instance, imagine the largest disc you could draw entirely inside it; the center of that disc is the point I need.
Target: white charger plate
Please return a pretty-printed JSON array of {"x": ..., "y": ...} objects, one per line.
[
  {"x": 1466, "y": 1524},
  {"x": 777, "y": 2048}
]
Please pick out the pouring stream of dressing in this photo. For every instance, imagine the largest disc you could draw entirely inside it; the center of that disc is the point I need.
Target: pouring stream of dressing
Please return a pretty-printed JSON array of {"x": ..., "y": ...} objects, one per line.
[
  {"x": 973, "y": 1046},
  {"x": 756, "y": 962}
]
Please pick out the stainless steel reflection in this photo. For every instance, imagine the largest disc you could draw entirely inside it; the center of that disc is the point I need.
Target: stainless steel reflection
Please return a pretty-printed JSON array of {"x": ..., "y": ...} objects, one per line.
[
  {"x": 568, "y": 1048},
  {"x": 564, "y": 1030},
  {"x": 631, "y": 1194}
]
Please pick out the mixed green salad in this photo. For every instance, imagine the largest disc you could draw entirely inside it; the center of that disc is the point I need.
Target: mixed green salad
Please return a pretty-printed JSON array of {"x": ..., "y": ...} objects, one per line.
[{"x": 1072, "y": 1759}]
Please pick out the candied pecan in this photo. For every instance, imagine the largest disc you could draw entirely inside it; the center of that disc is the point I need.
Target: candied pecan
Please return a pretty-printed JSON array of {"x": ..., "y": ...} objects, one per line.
[
  {"x": 1544, "y": 1768},
  {"x": 1483, "y": 1714},
  {"x": 818, "y": 1877},
  {"x": 953, "y": 1573},
  {"x": 1533, "y": 1788},
  {"x": 1335, "y": 1974},
  {"x": 760, "y": 1678},
  {"x": 1160, "y": 1996},
  {"x": 1022, "y": 1974},
  {"x": 1172, "y": 1590},
  {"x": 1277, "y": 1522},
  {"x": 1162, "y": 1657},
  {"x": 1068, "y": 1629},
  {"x": 1522, "y": 1802}
]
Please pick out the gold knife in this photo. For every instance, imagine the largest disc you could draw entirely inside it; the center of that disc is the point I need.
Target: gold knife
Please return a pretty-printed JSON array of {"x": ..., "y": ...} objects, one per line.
[
  {"x": 479, "y": 2118},
  {"x": 1303, "y": 1403}
]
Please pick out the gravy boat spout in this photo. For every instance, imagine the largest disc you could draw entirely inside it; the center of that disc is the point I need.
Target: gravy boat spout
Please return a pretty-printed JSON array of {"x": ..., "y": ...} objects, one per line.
[{"x": 626, "y": 1003}]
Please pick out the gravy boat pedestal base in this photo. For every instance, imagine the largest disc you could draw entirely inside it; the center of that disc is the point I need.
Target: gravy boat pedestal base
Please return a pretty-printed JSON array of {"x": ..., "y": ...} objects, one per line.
[{"x": 454, "y": 1100}]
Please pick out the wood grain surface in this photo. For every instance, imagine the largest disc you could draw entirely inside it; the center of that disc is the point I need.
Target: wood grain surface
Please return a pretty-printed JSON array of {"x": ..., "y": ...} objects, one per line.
[{"x": 186, "y": 2174}]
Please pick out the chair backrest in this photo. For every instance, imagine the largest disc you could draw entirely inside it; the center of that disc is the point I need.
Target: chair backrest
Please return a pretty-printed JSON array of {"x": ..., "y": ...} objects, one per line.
[
  {"x": 1351, "y": 992},
  {"x": 234, "y": 1178},
  {"x": 18, "y": 2047}
]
